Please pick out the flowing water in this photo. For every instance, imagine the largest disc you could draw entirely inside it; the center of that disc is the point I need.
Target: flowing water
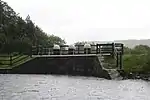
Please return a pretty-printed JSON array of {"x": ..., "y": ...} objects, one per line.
[{"x": 48, "y": 87}]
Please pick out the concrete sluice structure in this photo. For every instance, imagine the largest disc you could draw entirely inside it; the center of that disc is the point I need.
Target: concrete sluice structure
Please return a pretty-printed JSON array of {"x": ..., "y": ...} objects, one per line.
[
  {"x": 72, "y": 65},
  {"x": 84, "y": 60}
]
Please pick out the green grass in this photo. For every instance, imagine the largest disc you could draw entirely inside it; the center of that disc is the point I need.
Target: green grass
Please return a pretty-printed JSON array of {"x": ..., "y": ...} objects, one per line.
[{"x": 131, "y": 63}]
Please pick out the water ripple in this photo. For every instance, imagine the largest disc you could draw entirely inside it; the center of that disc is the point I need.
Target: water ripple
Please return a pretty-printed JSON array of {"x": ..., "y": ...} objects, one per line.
[{"x": 48, "y": 87}]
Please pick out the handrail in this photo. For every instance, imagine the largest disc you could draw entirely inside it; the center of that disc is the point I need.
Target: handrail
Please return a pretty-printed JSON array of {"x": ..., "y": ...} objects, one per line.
[
  {"x": 99, "y": 48},
  {"x": 115, "y": 53},
  {"x": 14, "y": 62}
]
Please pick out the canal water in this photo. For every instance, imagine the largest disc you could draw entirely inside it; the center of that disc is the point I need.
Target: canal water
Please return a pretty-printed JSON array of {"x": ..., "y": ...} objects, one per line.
[{"x": 48, "y": 87}]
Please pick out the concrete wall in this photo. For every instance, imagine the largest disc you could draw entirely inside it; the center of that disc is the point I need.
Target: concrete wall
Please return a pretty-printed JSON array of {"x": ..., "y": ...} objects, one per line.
[{"x": 84, "y": 66}]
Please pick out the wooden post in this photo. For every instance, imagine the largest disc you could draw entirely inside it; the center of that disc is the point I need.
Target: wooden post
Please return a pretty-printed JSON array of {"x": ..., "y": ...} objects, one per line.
[
  {"x": 37, "y": 50},
  {"x": 49, "y": 51},
  {"x": 121, "y": 64},
  {"x": 117, "y": 61},
  {"x": 113, "y": 49},
  {"x": 31, "y": 51},
  {"x": 10, "y": 59},
  {"x": 99, "y": 49},
  {"x": 122, "y": 50},
  {"x": 40, "y": 50},
  {"x": 60, "y": 50},
  {"x": 96, "y": 48},
  {"x": 43, "y": 50},
  {"x": 78, "y": 49}
]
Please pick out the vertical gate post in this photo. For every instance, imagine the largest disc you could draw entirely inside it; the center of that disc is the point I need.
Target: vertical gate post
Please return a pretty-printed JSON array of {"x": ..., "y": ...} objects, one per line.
[
  {"x": 117, "y": 61},
  {"x": 122, "y": 50},
  {"x": 113, "y": 49},
  {"x": 121, "y": 64},
  {"x": 96, "y": 48}
]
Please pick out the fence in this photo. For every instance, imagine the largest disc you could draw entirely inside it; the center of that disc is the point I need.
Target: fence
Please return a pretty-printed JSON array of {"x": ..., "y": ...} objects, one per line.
[
  {"x": 11, "y": 59},
  {"x": 79, "y": 49}
]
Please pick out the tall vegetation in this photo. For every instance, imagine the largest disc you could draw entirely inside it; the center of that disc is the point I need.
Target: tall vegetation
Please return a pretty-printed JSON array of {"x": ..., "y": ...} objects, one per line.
[
  {"x": 137, "y": 59},
  {"x": 18, "y": 35}
]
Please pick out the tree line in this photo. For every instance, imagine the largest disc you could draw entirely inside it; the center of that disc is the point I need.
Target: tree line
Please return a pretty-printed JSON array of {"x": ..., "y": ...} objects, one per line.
[{"x": 18, "y": 34}]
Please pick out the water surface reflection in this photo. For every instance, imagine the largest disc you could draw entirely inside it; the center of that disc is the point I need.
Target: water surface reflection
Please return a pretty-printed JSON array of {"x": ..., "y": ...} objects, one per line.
[{"x": 48, "y": 87}]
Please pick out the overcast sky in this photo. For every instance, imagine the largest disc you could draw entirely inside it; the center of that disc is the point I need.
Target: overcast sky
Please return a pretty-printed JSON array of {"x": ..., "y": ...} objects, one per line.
[{"x": 88, "y": 20}]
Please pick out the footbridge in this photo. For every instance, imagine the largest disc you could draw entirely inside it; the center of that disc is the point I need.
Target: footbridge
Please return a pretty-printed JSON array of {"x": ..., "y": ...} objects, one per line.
[
  {"x": 111, "y": 50},
  {"x": 87, "y": 60}
]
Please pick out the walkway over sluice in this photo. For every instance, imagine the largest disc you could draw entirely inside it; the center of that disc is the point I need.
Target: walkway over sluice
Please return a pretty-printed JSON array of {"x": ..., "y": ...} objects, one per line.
[
  {"x": 86, "y": 60},
  {"x": 114, "y": 50},
  {"x": 78, "y": 50}
]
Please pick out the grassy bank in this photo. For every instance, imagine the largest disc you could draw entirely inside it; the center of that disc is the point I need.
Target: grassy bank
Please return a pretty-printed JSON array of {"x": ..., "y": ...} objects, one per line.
[{"x": 137, "y": 61}]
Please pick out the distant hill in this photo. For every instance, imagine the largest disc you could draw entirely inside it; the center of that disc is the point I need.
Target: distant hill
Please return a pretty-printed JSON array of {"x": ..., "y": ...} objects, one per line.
[
  {"x": 129, "y": 43},
  {"x": 133, "y": 43}
]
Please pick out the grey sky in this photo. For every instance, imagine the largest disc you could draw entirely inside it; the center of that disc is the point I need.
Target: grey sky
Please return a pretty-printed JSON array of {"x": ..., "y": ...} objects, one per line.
[{"x": 94, "y": 20}]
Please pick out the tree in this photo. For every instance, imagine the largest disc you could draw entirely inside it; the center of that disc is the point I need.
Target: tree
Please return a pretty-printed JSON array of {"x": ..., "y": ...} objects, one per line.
[
  {"x": 24, "y": 33},
  {"x": 55, "y": 40}
]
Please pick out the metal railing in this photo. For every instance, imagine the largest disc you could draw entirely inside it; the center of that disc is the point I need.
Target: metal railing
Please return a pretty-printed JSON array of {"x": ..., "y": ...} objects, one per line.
[
  {"x": 115, "y": 49},
  {"x": 95, "y": 49}
]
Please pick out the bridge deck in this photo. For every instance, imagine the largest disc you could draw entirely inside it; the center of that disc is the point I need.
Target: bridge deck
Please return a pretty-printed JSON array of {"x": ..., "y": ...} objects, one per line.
[{"x": 69, "y": 55}]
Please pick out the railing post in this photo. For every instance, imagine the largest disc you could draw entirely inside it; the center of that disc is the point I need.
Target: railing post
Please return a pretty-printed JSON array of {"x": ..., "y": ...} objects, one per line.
[
  {"x": 37, "y": 50},
  {"x": 49, "y": 51},
  {"x": 121, "y": 64},
  {"x": 45, "y": 51},
  {"x": 60, "y": 51},
  {"x": 99, "y": 49},
  {"x": 113, "y": 49},
  {"x": 31, "y": 51},
  {"x": 78, "y": 49},
  {"x": 122, "y": 49},
  {"x": 117, "y": 61},
  {"x": 10, "y": 59},
  {"x": 96, "y": 48}
]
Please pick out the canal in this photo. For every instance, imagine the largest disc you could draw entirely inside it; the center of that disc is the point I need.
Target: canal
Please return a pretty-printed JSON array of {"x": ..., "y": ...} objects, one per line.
[{"x": 51, "y": 87}]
